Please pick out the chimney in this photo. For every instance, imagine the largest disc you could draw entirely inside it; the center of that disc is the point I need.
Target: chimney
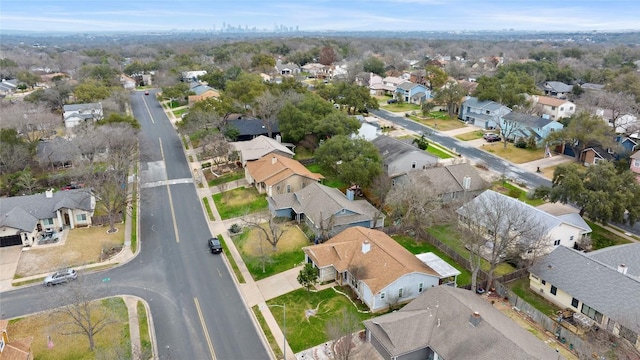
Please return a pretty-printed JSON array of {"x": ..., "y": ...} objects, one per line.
[
  {"x": 366, "y": 246},
  {"x": 475, "y": 319},
  {"x": 622, "y": 268},
  {"x": 49, "y": 193},
  {"x": 466, "y": 182},
  {"x": 274, "y": 160}
]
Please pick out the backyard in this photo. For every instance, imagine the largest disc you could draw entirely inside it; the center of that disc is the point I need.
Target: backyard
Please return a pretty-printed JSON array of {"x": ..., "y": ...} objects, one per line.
[
  {"x": 601, "y": 237},
  {"x": 513, "y": 191},
  {"x": 308, "y": 313},
  {"x": 257, "y": 252},
  {"x": 521, "y": 288},
  {"x": 111, "y": 343},
  {"x": 328, "y": 180},
  {"x": 239, "y": 202}
]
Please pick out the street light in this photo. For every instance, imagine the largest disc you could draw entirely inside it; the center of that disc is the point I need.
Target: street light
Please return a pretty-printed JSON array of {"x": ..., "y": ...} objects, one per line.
[{"x": 284, "y": 327}]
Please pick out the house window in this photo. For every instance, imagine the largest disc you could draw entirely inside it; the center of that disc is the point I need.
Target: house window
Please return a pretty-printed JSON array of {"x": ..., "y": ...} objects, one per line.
[
  {"x": 393, "y": 182},
  {"x": 571, "y": 238},
  {"x": 554, "y": 289},
  {"x": 553, "y": 108},
  {"x": 574, "y": 302},
  {"x": 592, "y": 313},
  {"x": 400, "y": 292},
  {"x": 278, "y": 188},
  {"x": 81, "y": 217},
  {"x": 382, "y": 295},
  {"x": 544, "y": 282},
  {"x": 420, "y": 287},
  {"x": 556, "y": 243},
  {"x": 636, "y": 162},
  {"x": 48, "y": 221},
  {"x": 488, "y": 112},
  {"x": 288, "y": 188},
  {"x": 413, "y": 164},
  {"x": 570, "y": 108},
  {"x": 561, "y": 108}
]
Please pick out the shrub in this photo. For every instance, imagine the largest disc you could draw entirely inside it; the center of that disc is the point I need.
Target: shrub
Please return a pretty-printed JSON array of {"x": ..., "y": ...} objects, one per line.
[
  {"x": 235, "y": 229},
  {"x": 206, "y": 165},
  {"x": 520, "y": 143}
]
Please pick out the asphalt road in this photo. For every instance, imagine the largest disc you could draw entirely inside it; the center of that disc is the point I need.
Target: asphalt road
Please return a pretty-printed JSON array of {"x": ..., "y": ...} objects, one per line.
[{"x": 197, "y": 310}]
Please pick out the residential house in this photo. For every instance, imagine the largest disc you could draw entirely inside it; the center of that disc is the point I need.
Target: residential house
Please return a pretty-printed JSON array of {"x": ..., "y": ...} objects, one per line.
[
  {"x": 557, "y": 230},
  {"x": 412, "y": 93},
  {"x": 258, "y": 147},
  {"x": 594, "y": 154},
  {"x": 201, "y": 92},
  {"x": 379, "y": 270},
  {"x": 127, "y": 82},
  {"x": 557, "y": 89},
  {"x": 485, "y": 114},
  {"x": 315, "y": 70},
  {"x": 325, "y": 210},
  {"x": 23, "y": 217},
  {"x": 57, "y": 153},
  {"x": 392, "y": 82},
  {"x": 288, "y": 69},
  {"x": 16, "y": 349},
  {"x": 377, "y": 87},
  {"x": 627, "y": 144},
  {"x": 635, "y": 164},
  {"x": 8, "y": 87},
  {"x": 277, "y": 174},
  {"x": 515, "y": 125},
  {"x": 601, "y": 287},
  {"x": 468, "y": 85},
  {"x": 623, "y": 123},
  {"x": 555, "y": 108},
  {"x": 400, "y": 157},
  {"x": 191, "y": 76},
  {"x": 452, "y": 323},
  {"x": 449, "y": 183},
  {"x": 419, "y": 77},
  {"x": 369, "y": 128},
  {"x": 249, "y": 127},
  {"x": 76, "y": 114}
]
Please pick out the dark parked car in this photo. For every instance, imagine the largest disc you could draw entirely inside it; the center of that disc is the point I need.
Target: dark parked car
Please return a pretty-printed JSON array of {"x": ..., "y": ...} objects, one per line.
[
  {"x": 214, "y": 245},
  {"x": 392, "y": 101},
  {"x": 60, "y": 277},
  {"x": 491, "y": 137}
]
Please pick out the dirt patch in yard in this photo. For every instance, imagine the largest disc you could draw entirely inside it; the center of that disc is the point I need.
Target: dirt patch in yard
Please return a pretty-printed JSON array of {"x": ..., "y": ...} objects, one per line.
[
  {"x": 293, "y": 239},
  {"x": 82, "y": 246}
]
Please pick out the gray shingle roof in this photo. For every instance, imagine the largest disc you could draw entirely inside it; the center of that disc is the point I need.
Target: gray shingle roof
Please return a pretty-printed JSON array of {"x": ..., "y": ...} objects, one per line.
[
  {"x": 82, "y": 107},
  {"x": 558, "y": 86},
  {"x": 527, "y": 120},
  {"x": 251, "y": 126},
  {"x": 439, "y": 319},
  {"x": 23, "y": 212},
  {"x": 594, "y": 283},
  {"x": 484, "y": 104},
  {"x": 318, "y": 202},
  {"x": 407, "y": 85},
  {"x": 628, "y": 254},
  {"x": 392, "y": 149}
]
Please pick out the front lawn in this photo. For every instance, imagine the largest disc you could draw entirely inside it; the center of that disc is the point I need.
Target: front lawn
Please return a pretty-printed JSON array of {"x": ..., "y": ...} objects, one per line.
[
  {"x": 450, "y": 235},
  {"x": 239, "y": 202},
  {"x": 601, "y": 237},
  {"x": 442, "y": 124},
  {"x": 521, "y": 288},
  {"x": 416, "y": 247},
  {"x": 305, "y": 332},
  {"x": 434, "y": 150},
  {"x": 400, "y": 107},
  {"x": 512, "y": 153},
  {"x": 473, "y": 135},
  {"x": 113, "y": 342},
  {"x": 515, "y": 192},
  {"x": 215, "y": 181}
]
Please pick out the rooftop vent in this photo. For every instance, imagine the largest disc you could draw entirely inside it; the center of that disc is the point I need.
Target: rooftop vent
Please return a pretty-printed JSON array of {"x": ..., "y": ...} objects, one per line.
[
  {"x": 366, "y": 246},
  {"x": 622, "y": 268}
]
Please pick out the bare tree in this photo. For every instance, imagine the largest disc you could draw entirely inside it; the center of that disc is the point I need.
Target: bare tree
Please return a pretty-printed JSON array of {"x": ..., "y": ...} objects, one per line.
[
  {"x": 268, "y": 105},
  {"x": 32, "y": 121},
  {"x": 271, "y": 229},
  {"x": 379, "y": 190},
  {"x": 619, "y": 109},
  {"x": 85, "y": 315},
  {"x": 341, "y": 329},
  {"x": 508, "y": 128},
  {"x": 216, "y": 146},
  {"x": 509, "y": 230}
]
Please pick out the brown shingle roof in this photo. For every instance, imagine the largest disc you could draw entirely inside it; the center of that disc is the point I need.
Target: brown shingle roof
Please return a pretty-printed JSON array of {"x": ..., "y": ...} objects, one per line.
[
  {"x": 385, "y": 262},
  {"x": 545, "y": 100},
  {"x": 273, "y": 168}
]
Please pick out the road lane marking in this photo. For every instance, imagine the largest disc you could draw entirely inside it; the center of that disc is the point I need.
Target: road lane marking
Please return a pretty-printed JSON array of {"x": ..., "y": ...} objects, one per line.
[
  {"x": 167, "y": 182},
  {"x": 204, "y": 328},
  {"x": 144, "y": 101},
  {"x": 173, "y": 212}
]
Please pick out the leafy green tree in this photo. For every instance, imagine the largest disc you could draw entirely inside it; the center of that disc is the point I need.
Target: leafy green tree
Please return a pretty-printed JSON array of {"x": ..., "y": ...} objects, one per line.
[
  {"x": 294, "y": 123},
  {"x": 263, "y": 62},
  {"x": 508, "y": 90},
  {"x": 437, "y": 77},
  {"x": 308, "y": 276},
  {"x": 374, "y": 65},
  {"x": 352, "y": 96},
  {"x": 601, "y": 192},
  {"x": 118, "y": 118},
  {"x": 335, "y": 123},
  {"x": 584, "y": 130},
  {"x": 353, "y": 161},
  {"x": 91, "y": 91},
  {"x": 28, "y": 78},
  {"x": 177, "y": 92},
  {"x": 245, "y": 89},
  {"x": 216, "y": 79},
  {"x": 103, "y": 73},
  {"x": 450, "y": 95}
]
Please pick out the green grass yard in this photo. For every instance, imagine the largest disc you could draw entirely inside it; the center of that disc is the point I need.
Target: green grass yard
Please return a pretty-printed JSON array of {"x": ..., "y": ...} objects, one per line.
[{"x": 238, "y": 202}]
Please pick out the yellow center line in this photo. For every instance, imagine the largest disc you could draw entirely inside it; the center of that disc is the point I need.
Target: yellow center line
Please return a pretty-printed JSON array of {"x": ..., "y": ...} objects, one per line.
[
  {"x": 173, "y": 213},
  {"x": 204, "y": 328}
]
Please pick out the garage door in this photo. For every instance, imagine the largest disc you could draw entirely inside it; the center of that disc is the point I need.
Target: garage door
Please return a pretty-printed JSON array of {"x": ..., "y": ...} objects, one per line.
[{"x": 10, "y": 240}]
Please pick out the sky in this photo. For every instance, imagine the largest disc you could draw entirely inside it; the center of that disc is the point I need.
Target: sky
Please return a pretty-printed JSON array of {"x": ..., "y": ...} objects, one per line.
[{"x": 318, "y": 15}]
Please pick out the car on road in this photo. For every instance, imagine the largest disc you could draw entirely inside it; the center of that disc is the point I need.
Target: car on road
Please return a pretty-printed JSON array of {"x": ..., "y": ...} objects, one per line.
[
  {"x": 491, "y": 137},
  {"x": 60, "y": 277},
  {"x": 146, "y": 92},
  {"x": 392, "y": 101},
  {"x": 214, "y": 245}
]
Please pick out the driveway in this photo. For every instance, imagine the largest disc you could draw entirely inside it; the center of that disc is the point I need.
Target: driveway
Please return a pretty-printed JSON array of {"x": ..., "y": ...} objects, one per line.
[{"x": 9, "y": 258}]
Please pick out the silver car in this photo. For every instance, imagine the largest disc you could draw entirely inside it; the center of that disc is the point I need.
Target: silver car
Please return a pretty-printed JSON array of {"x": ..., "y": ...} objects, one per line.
[{"x": 60, "y": 277}]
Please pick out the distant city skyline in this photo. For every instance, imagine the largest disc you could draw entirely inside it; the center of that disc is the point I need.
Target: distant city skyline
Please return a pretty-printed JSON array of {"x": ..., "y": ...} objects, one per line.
[{"x": 318, "y": 15}]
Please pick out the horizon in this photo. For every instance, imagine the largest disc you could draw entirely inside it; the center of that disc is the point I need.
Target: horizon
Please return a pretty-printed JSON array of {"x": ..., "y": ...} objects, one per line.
[{"x": 120, "y": 16}]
